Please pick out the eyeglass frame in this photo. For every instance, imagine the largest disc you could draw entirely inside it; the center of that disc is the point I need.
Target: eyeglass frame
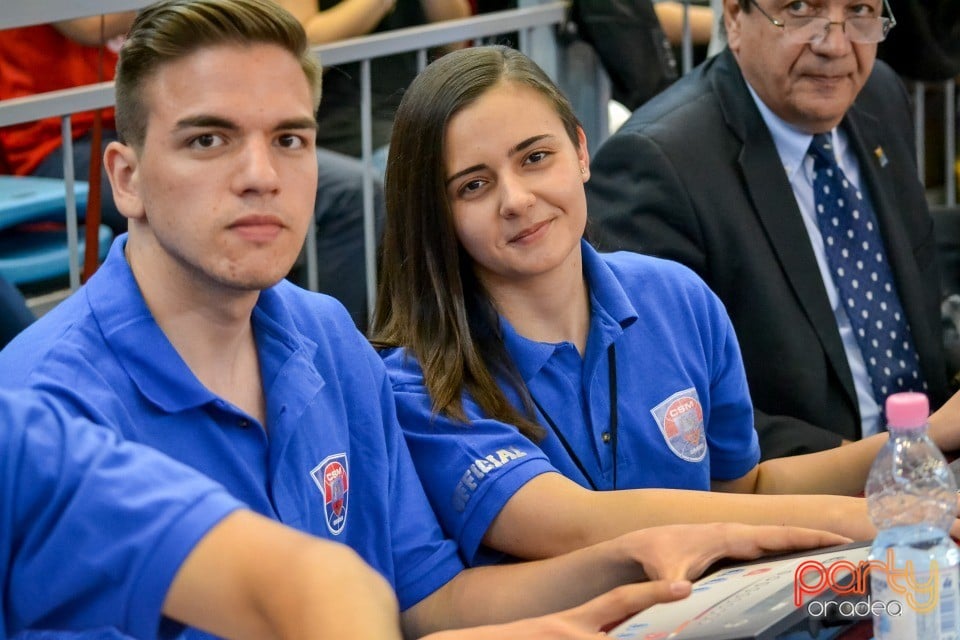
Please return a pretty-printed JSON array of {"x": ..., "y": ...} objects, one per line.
[{"x": 890, "y": 23}]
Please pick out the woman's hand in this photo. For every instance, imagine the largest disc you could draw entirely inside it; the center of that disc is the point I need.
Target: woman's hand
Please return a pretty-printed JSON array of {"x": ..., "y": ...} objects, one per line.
[{"x": 684, "y": 552}]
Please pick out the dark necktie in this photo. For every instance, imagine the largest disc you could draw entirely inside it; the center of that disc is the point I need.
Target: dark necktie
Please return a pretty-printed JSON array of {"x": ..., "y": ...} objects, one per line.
[{"x": 858, "y": 263}]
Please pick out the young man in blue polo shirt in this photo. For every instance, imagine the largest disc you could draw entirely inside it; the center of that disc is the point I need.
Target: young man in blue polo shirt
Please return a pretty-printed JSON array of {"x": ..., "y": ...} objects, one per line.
[
  {"x": 188, "y": 340},
  {"x": 96, "y": 532}
]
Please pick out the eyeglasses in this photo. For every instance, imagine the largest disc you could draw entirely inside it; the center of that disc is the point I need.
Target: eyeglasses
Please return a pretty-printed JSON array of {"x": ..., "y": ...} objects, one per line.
[{"x": 813, "y": 29}]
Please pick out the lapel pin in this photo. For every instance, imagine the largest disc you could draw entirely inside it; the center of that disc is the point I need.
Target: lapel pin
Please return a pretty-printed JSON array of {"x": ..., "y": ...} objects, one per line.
[{"x": 881, "y": 156}]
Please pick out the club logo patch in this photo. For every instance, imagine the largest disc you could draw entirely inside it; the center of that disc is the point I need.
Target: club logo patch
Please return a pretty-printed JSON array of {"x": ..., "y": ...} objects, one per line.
[
  {"x": 680, "y": 418},
  {"x": 333, "y": 480}
]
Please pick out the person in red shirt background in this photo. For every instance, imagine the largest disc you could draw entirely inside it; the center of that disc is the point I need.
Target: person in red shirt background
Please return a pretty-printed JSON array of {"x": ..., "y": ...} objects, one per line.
[{"x": 47, "y": 57}]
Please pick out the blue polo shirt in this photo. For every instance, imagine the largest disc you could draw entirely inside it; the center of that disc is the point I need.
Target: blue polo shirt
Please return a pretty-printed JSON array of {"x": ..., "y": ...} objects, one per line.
[
  {"x": 92, "y": 530},
  {"x": 332, "y": 461},
  {"x": 684, "y": 411}
]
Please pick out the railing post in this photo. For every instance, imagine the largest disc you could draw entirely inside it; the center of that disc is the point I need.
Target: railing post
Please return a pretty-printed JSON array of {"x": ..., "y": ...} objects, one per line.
[
  {"x": 73, "y": 231},
  {"x": 686, "y": 43},
  {"x": 369, "y": 221}
]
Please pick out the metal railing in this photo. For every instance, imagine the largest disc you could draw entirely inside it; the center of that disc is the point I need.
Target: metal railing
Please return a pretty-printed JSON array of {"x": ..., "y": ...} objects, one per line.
[{"x": 22, "y": 13}]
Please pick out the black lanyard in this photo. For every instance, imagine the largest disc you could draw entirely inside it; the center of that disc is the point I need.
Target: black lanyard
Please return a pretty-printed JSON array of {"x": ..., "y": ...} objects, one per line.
[{"x": 612, "y": 361}]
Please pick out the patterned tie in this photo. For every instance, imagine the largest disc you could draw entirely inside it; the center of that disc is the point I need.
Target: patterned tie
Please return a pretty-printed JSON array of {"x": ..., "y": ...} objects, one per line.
[{"x": 858, "y": 262}]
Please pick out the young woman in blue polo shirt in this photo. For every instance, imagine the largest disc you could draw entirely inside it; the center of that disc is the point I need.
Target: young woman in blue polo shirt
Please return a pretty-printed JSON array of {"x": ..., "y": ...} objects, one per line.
[{"x": 551, "y": 395}]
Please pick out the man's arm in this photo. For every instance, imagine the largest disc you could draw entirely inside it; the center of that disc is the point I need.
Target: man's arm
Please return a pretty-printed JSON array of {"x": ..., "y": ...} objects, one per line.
[
  {"x": 440, "y": 10},
  {"x": 93, "y": 31},
  {"x": 250, "y": 577},
  {"x": 349, "y": 19},
  {"x": 670, "y": 15},
  {"x": 353, "y": 18}
]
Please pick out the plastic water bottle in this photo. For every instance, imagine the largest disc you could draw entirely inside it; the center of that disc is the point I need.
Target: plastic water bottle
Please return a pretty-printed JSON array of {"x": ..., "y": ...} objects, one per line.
[{"x": 912, "y": 500}]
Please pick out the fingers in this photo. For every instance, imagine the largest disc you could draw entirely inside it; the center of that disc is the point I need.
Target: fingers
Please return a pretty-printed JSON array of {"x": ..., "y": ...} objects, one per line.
[
  {"x": 604, "y": 611},
  {"x": 747, "y": 542},
  {"x": 684, "y": 552},
  {"x": 682, "y": 569},
  {"x": 788, "y": 538}
]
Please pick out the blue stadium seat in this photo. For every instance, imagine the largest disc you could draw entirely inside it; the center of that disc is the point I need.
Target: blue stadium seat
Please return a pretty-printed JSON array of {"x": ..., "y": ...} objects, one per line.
[
  {"x": 33, "y": 237},
  {"x": 26, "y": 199}
]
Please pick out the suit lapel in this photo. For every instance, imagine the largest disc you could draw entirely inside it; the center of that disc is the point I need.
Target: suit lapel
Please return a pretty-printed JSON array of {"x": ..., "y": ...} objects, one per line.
[{"x": 776, "y": 210}]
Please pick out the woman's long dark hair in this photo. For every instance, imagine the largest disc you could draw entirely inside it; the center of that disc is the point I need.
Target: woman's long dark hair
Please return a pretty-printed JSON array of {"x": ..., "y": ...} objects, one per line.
[{"x": 429, "y": 299}]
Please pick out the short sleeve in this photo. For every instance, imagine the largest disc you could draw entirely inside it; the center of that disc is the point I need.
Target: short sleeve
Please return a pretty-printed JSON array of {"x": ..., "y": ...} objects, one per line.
[
  {"x": 468, "y": 471},
  {"x": 733, "y": 442},
  {"x": 94, "y": 529}
]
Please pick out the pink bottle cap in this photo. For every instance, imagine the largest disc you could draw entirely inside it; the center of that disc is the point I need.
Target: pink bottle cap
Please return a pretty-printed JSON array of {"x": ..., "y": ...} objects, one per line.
[{"x": 907, "y": 410}]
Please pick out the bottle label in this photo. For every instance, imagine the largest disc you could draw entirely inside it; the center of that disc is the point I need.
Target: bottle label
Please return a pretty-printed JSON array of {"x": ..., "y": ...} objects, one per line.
[{"x": 924, "y": 607}]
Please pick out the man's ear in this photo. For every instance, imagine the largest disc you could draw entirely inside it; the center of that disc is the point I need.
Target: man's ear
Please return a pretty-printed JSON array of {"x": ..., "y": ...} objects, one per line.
[
  {"x": 732, "y": 14},
  {"x": 123, "y": 168}
]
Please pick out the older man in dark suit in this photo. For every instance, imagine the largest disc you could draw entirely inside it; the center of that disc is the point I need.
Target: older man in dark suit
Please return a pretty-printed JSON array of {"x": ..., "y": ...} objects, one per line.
[{"x": 782, "y": 171}]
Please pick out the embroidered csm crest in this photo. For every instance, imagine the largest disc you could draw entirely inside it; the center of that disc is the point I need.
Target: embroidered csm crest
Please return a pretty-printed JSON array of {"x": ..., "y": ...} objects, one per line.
[
  {"x": 680, "y": 418},
  {"x": 333, "y": 480}
]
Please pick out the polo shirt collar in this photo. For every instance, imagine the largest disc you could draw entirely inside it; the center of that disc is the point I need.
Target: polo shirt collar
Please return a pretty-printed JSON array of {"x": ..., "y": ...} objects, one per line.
[
  {"x": 148, "y": 357},
  {"x": 611, "y": 308},
  {"x": 287, "y": 358},
  {"x": 610, "y": 313}
]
